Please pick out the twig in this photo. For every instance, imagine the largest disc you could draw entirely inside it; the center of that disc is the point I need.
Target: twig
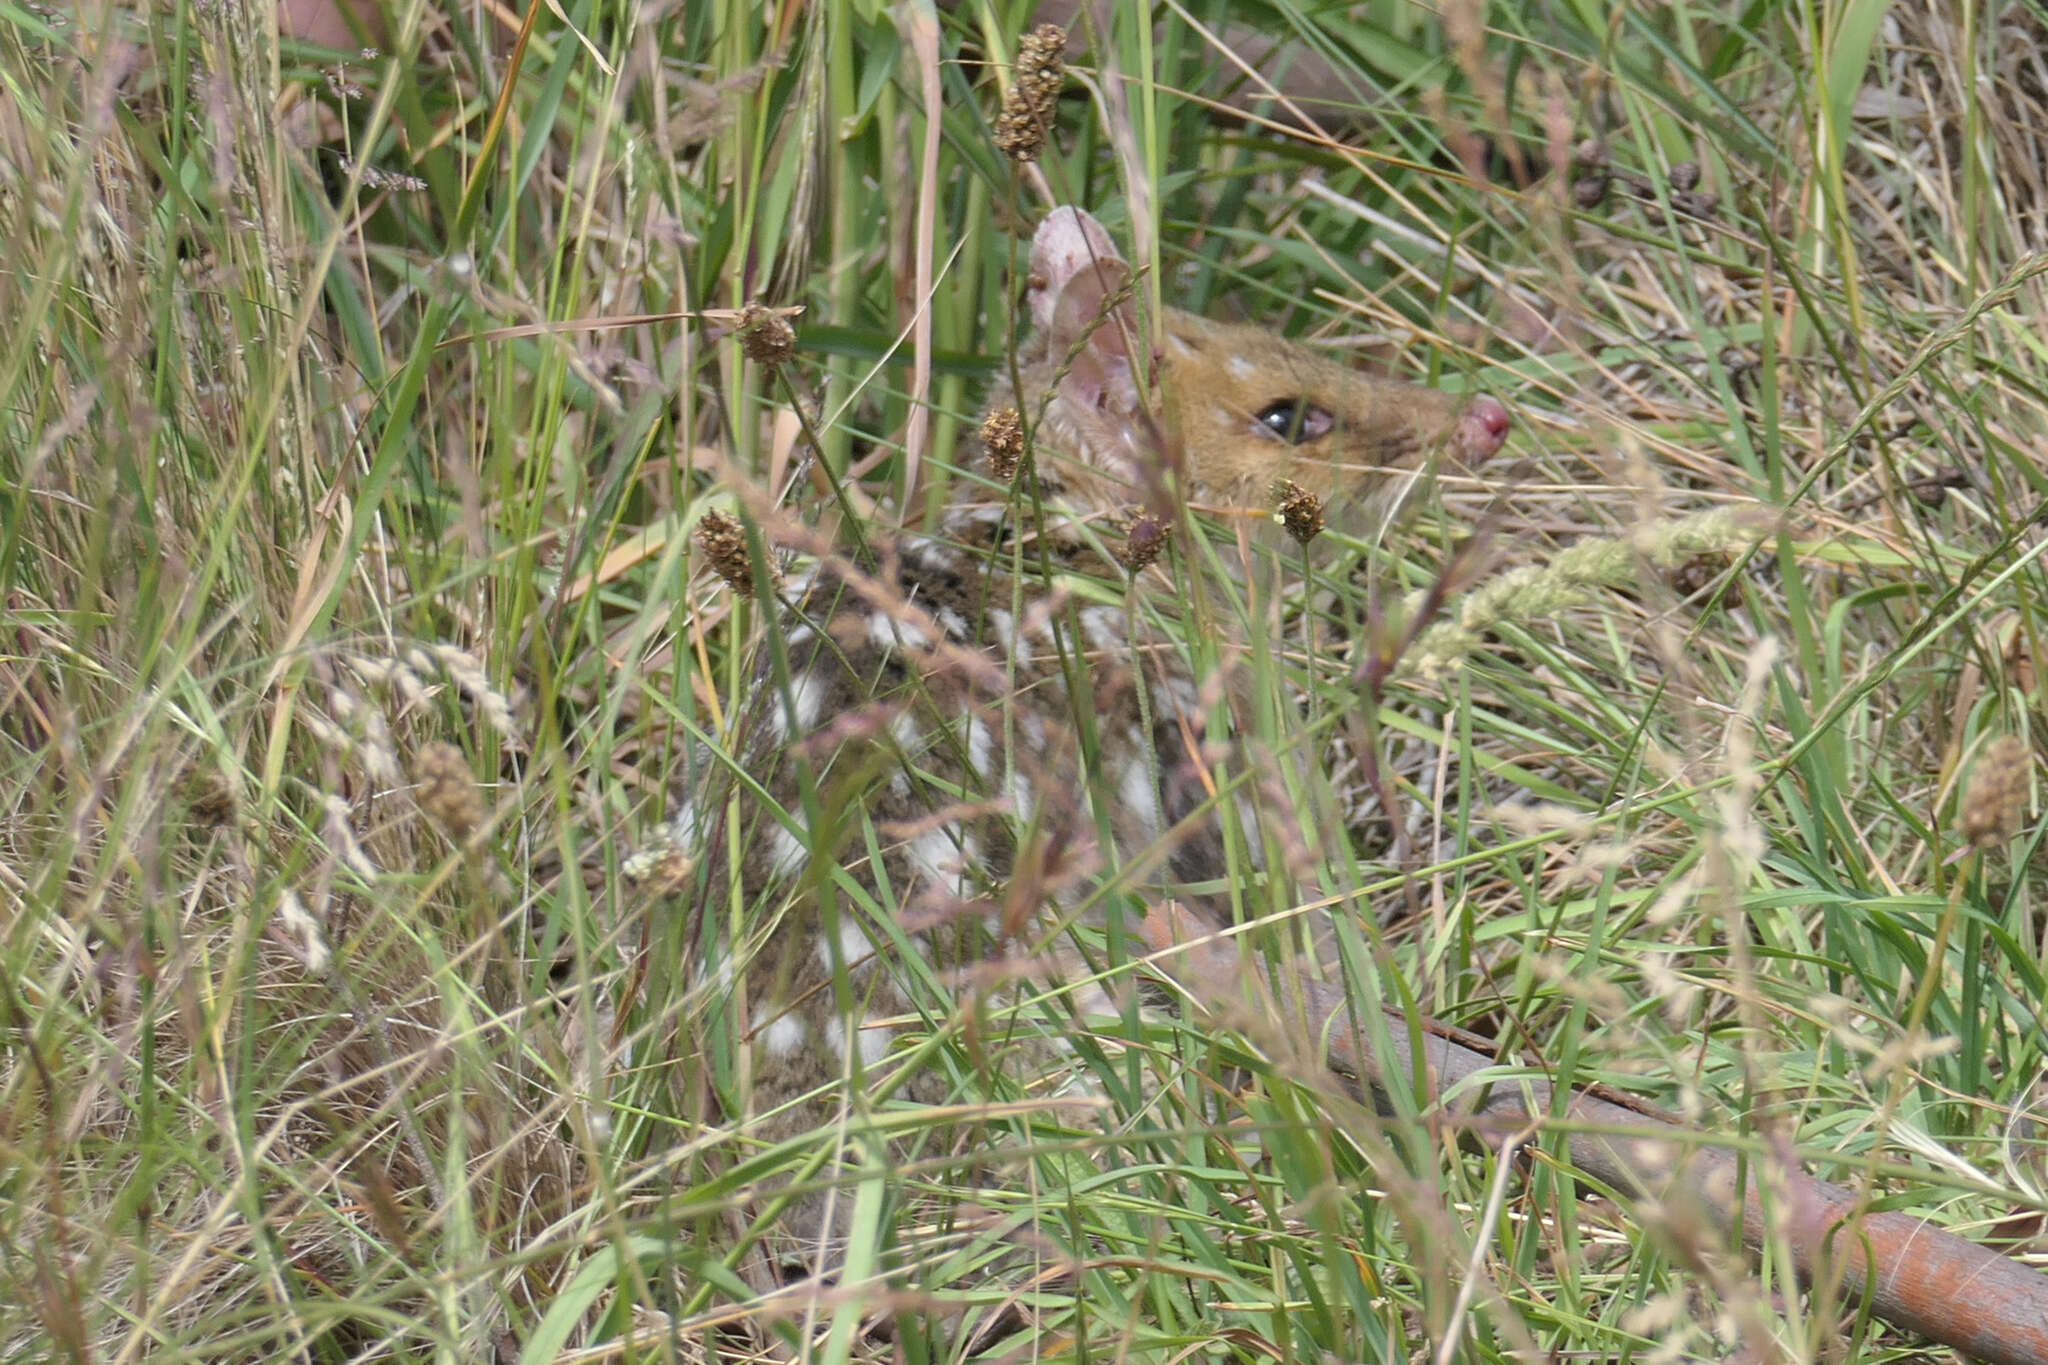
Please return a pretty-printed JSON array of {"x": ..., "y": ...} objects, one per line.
[{"x": 1916, "y": 1275}]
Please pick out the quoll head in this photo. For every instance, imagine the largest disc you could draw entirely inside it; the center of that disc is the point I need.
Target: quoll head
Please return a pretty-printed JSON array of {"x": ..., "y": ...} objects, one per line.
[{"x": 1248, "y": 407}]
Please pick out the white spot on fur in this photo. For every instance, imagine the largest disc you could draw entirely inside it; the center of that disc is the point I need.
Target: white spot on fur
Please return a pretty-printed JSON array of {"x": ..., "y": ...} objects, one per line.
[
  {"x": 783, "y": 1036},
  {"x": 1180, "y": 346},
  {"x": 885, "y": 632},
  {"x": 952, "y": 622},
  {"x": 1240, "y": 368},
  {"x": 873, "y": 1042},
  {"x": 682, "y": 824},
  {"x": 855, "y": 943},
  {"x": 806, "y": 699},
  {"x": 934, "y": 856},
  {"x": 1138, "y": 798},
  {"x": 1179, "y": 696},
  {"x": 1038, "y": 620},
  {"x": 1102, "y": 628},
  {"x": 903, "y": 728},
  {"x": 981, "y": 747},
  {"x": 786, "y": 852},
  {"x": 855, "y": 947},
  {"x": 1022, "y": 801}
]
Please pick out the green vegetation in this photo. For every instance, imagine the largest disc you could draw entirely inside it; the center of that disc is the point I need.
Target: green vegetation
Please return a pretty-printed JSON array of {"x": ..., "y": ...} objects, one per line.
[{"x": 357, "y": 411}]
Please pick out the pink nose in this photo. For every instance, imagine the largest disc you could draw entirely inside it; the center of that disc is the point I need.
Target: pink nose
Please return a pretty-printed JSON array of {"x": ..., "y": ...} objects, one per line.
[{"x": 1482, "y": 428}]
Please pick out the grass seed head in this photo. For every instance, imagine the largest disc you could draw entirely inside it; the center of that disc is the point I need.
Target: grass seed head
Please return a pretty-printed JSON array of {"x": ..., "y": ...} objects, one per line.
[
  {"x": 724, "y": 542},
  {"x": 1300, "y": 511},
  {"x": 1997, "y": 793},
  {"x": 1143, "y": 542},
  {"x": 1024, "y": 126},
  {"x": 766, "y": 336},
  {"x": 448, "y": 794},
  {"x": 1002, "y": 436}
]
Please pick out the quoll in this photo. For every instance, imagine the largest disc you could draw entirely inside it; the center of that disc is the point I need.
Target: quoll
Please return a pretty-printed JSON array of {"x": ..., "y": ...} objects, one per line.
[{"x": 950, "y": 753}]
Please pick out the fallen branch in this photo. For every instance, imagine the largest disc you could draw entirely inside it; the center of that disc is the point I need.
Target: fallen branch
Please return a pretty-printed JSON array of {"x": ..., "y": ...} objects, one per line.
[{"x": 1917, "y": 1276}]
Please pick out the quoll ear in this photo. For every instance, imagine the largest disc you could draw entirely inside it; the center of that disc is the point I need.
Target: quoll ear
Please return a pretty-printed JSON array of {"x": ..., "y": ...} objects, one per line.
[
  {"x": 1075, "y": 271},
  {"x": 1069, "y": 243}
]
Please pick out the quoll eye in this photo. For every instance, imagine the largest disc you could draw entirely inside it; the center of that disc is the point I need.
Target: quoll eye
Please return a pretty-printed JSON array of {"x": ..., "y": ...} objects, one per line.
[{"x": 1295, "y": 420}]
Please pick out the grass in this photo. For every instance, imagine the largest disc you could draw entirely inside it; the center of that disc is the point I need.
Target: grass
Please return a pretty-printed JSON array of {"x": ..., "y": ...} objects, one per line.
[{"x": 359, "y": 406}]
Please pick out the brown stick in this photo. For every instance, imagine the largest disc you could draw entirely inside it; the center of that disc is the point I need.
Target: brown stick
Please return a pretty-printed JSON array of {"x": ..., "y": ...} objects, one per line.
[{"x": 1918, "y": 1276}]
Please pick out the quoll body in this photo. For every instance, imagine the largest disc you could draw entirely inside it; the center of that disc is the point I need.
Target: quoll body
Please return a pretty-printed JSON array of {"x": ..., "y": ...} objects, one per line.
[{"x": 951, "y": 753}]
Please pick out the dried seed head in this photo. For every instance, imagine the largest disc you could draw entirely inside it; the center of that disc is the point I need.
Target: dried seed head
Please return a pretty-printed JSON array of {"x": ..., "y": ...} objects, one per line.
[
  {"x": 1002, "y": 436},
  {"x": 1142, "y": 543},
  {"x": 664, "y": 870},
  {"x": 766, "y": 336},
  {"x": 1590, "y": 191},
  {"x": 1019, "y": 134},
  {"x": 1025, "y": 123},
  {"x": 724, "y": 542},
  {"x": 1997, "y": 793},
  {"x": 1699, "y": 573},
  {"x": 211, "y": 799},
  {"x": 1042, "y": 60},
  {"x": 1933, "y": 490},
  {"x": 447, "y": 793},
  {"x": 1696, "y": 203},
  {"x": 1301, "y": 511}
]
